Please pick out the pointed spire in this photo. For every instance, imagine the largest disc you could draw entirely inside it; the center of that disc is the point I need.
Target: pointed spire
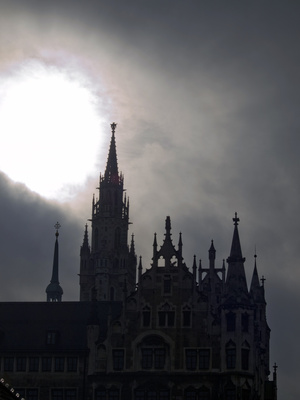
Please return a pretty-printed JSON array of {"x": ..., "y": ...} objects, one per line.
[
  {"x": 257, "y": 290},
  {"x": 236, "y": 284},
  {"x": 236, "y": 251},
  {"x": 180, "y": 245},
  {"x": 132, "y": 249},
  {"x": 140, "y": 269},
  {"x": 168, "y": 228},
  {"x": 111, "y": 174},
  {"x": 54, "y": 290},
  {"x": 255, "y": 280},
  {"x": 85, "y": 248},
  {"x": 212, "y": 255},
  {"x": 194, "y": 268}
]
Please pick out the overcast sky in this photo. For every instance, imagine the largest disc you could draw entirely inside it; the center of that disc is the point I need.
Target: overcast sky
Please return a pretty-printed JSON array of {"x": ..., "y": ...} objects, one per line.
[{"x": 206, "y": 95}]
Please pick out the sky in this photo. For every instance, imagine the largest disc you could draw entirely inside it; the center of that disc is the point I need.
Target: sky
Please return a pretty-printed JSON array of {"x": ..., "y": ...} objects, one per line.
[{"x": 206, "y": 97}]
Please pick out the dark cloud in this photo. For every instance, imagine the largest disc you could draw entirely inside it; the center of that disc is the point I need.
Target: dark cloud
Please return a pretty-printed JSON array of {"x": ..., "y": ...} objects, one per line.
[{"x": 206, "y": 98}]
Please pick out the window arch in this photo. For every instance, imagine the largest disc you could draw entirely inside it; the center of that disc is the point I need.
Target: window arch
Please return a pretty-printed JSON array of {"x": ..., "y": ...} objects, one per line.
[
  {"x": 230, "y": 355},
  {"x": 166, "y": 315},
  {"x": 154, "y": 352}
]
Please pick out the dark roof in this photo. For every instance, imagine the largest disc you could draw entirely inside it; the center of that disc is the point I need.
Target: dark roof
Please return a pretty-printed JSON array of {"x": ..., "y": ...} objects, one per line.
[{"x": 24, "y": 325}]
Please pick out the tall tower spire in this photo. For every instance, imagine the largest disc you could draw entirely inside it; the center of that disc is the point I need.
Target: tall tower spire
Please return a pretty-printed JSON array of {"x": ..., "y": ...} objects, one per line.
[
  {"x": 54, "y": 290},
  {"x": 110, "y": 262}
]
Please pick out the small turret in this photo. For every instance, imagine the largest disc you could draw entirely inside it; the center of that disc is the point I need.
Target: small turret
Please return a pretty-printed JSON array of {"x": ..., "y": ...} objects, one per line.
[{"x": 54, "y": 290}]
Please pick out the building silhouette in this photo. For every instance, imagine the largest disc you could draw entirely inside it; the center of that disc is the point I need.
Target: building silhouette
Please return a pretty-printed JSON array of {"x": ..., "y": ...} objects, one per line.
[{"x": 169, "y": 332}]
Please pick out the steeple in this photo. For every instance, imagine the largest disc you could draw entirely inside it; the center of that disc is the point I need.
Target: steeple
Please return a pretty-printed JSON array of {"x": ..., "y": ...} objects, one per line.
[
  {"x": 111, "y": 174},
  {"x": 236, "y": 284},
  {"x": 110, "y": 261},
  {"x": 54, "y": 290}
]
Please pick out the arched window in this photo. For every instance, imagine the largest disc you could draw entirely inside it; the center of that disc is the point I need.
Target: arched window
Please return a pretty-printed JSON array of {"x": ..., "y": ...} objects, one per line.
[
  {"x": 154, "y": 353},
  {"x": 166, "y": 315},
  {"x": 230, "y": 355},
  {"x": 146, "y": 316}
]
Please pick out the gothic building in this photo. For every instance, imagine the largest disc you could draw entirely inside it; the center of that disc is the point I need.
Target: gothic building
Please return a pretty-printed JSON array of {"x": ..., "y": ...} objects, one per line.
[{"x": 166, "y": 332}]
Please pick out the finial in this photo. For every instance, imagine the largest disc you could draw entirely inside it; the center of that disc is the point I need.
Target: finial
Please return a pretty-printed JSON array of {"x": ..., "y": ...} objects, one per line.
[
  {"x": 263, "y": 280},
  {"x": 275, "y": 366},
  {"x": 235, "y": 219},
  {"x": 57, "y": 226},
  {"x": 113, "y": 127}
]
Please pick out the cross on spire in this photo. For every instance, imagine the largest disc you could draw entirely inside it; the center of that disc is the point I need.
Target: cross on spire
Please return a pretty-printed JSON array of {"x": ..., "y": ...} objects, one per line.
[
  {"x": 235, "y": 219},
  {"x": 263, "y": 280},
  {"x": 57, "y": 226},
  {"x": 113, "y": 127}
]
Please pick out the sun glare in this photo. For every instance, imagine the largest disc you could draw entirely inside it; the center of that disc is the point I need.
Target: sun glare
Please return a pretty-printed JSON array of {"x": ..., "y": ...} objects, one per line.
[{"x": 50, "y": 129}]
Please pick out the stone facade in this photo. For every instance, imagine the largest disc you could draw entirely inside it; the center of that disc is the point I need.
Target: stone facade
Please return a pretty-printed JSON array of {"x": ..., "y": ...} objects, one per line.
[{"x": 173, "y": 332}]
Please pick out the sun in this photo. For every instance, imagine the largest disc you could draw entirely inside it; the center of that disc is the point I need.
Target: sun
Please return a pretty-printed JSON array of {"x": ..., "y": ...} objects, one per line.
[{"x": 50, "y": 128}]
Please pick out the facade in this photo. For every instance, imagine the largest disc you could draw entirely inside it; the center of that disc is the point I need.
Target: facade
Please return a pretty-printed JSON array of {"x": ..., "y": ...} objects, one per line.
[{"x": 169, "y": 332}]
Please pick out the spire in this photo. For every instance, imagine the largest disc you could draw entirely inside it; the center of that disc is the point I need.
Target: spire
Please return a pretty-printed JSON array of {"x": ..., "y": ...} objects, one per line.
[
  {"x": 85, "y": 248},
  {"x": 54, "y": 290},
  {"x": 212, "y": 255},
  {"x": 111, "y": 174},
  {"x": 236, "y": 284},
  {"x": 257, "y": 290},
  {"x": 132, "y": 249},
  {"x": 236, "y": 251}
]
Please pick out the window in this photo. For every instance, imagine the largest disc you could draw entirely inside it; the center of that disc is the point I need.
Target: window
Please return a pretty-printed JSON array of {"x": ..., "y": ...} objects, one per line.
[
  {"x": 152, "y": 394},
  {"x": 245, "y": 359},
  {"x": 46, "y": 364},
  {"x": 159, "y": 358},
  {"x": 197, "y": 358},
  {"x": 32, "y": 394},
  {"x": 70, "y": 394},
  {"x": 230, "y": 358},
  {"x": 118, "y": 359},
  {"x": 33, "y": 364},
  {"x": 146, "y": 316},
  {"x": 147, "y": 358},
  {"x": 29, "y": 394},
  {"x": 153, "y": 358},
  {"x": 166, "y": 316},
  {"x": 21, "y": 363},
  {"x": 8, "y": 363},
  {"x": 190, "y": 394},
  {"x": 204, "y": 358},
  {"x": 230, "y": 394},
  {"x": 57, "y": 394},
  {"x": 204, "y": 393},
  {"x": 245, "y": 322},
  {"x": 52, "y": 337},
  {"x": 100, "y": 394},
  {"x": 191, "y": 359},
  {"x": 230, "y": 319},
  {"x": 72, "y": 364},
  {"x": 59, "y": 364},
  {"x": 113, "y": 394}
]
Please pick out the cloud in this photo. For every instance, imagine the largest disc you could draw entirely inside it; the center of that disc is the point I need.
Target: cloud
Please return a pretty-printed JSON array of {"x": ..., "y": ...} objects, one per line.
[{"x": 206, "y": 99}]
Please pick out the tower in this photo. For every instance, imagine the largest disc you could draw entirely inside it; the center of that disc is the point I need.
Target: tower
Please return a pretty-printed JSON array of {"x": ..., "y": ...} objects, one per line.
[
  {"x": 54, "y": 290},
  {"x": 108, "y": 266}
]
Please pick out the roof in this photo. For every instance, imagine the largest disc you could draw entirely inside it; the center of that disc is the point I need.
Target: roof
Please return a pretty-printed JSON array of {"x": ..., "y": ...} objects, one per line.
[{"x": 24, "y": 326}]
